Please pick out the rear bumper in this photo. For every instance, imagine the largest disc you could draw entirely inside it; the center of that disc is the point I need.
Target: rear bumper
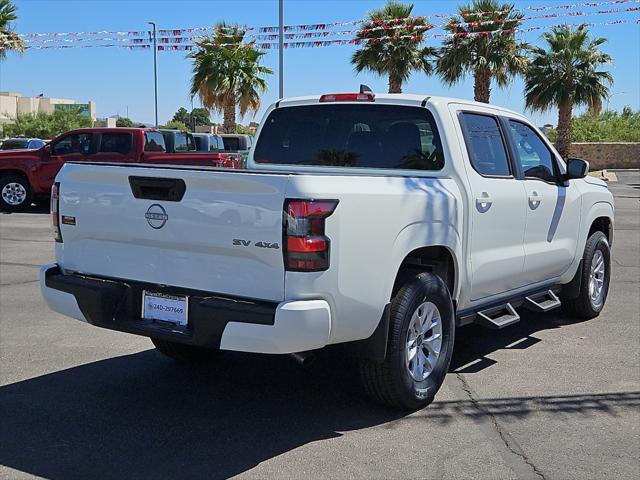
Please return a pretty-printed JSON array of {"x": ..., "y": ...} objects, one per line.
[{"x": 214, "y": 321}]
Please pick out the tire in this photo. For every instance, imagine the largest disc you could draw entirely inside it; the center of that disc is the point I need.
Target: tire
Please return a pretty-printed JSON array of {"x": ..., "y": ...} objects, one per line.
[
  {"x": 15, "y": 193},
  {"x": 395, "y": 382},
  {"x": 596, "y": 252},
  {"x": 185, "y": 353}
]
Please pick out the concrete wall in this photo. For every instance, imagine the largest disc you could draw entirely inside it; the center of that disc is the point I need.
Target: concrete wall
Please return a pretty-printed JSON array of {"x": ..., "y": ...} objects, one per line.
[{"x": 608, "y": 154}]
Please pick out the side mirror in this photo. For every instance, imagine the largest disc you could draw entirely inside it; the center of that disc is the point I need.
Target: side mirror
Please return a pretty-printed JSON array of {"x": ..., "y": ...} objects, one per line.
[{"x": 576, "y": 168}]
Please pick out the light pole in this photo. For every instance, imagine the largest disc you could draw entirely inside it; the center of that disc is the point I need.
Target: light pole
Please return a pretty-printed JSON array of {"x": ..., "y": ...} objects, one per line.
[
  {"x": 281, "y": 48},
  {"x": 155, "y": 69}
]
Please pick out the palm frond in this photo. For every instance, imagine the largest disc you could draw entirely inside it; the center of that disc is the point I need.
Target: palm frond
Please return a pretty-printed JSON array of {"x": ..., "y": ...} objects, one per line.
[{"x": 567, "y": 71}]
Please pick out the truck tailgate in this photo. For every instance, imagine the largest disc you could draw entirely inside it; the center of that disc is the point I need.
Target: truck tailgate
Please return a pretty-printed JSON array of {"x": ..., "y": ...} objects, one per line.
[{"x": 224, "y": 235}]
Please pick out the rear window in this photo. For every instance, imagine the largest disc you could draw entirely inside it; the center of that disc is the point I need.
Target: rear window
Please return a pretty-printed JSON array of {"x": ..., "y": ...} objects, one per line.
[
  {"x": 184, "y": 142},
  {"x": 154, "y": 142},
  {"x": 231, "y": 144},
  {"x": 348, "y": 135},
  {"x": 116, "y": 143},
  {"x": 14, "y": 144}
]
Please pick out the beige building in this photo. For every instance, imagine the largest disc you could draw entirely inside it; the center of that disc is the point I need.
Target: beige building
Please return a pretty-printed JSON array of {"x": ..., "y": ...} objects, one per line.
[{"x": 13, "y": 104}]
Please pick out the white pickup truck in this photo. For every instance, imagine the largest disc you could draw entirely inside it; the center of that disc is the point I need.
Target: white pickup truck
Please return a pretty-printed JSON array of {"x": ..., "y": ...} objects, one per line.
[{"x": 379, "y": 222}]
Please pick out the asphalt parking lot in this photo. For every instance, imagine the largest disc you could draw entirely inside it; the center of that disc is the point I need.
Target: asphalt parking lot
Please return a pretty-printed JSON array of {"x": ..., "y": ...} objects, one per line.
[{"x": 546, "y": 398}]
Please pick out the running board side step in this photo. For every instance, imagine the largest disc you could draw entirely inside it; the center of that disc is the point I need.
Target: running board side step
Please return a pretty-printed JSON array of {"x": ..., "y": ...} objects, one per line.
[
  {"x": 542, "y": 302},
  {"x": 498, "y": 317}
]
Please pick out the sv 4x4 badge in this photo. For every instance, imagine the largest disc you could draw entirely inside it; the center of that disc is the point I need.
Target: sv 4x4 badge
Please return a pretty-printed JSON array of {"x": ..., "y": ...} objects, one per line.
[{"x": 246, "y": 243}]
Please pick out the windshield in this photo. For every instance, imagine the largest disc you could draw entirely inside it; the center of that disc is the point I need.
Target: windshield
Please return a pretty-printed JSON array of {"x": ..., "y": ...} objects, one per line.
[
  {"x": 14, "y": 144},
  {"x": 351, "y": 135}
]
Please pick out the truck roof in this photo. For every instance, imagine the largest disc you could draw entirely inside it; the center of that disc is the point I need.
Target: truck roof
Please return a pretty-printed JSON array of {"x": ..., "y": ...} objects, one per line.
[
  {"x": 110, "y": 129},
  {"x": 395, "y": 99}
]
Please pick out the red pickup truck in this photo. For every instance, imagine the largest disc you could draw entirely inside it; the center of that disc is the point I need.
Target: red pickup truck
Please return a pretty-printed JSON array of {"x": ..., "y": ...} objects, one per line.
[{"x": 27, "y": 175}]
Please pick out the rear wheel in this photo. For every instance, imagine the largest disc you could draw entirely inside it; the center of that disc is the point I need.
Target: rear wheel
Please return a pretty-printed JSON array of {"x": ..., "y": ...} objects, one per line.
[
  {"x": 185, "y": 353},
  {"x": 596, "y": 273},
  {"x": 15, "y": 193},
  {"x": 419, "y": 348}
]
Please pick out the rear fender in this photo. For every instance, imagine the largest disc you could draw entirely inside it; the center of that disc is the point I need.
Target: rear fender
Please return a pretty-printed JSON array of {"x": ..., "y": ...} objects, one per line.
[{"x": 420, "y": 235}]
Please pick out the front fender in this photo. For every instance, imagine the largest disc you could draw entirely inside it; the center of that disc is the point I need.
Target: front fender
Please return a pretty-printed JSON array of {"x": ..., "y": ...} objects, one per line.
[{"x": 598, "y": 209}]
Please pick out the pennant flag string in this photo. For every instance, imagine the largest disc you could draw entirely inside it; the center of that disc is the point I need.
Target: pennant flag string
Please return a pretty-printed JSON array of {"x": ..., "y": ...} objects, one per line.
[
  {"x": 306, "y": 28},
  {"x": 307, "y": 35},
  {"x": 322, "y": 43}
]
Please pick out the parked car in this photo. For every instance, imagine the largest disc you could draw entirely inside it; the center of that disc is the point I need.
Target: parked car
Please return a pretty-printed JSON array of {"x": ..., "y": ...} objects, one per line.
[
  {"x": 21, "y": 143},
  {"x": 208, "y": 142},
  {"x": 177, "y": 141},
  {"x": 379, "y": 222},
  {"x": 240, "y": 144},
  {"x": 27, "y": 175}
]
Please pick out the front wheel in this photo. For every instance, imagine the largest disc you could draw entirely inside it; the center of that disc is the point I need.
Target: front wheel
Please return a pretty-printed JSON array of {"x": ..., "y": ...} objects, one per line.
[
  {"x": 15, "y": 193},
  {"x": 419, "y": 347},
  {"x": 596, "y": 273}
]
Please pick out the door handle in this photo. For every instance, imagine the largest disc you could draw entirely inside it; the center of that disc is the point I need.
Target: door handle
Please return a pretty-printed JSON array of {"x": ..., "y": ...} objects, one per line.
[
  {"x": 484, "y": 202},
  {"x": 534, "y": 200}
]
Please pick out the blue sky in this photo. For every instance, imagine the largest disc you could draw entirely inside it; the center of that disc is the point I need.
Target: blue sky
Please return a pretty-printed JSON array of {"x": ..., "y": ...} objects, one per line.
[{"x": 120, "y": 80}]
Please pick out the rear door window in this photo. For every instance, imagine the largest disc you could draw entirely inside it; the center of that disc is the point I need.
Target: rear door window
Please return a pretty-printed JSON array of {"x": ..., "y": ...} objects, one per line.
[
  {"x": 154, "y": 142},
  {"x": 485, "y": 145},
  {"x": 351, "y": 135},
  {"x": 115, "y": 143}
]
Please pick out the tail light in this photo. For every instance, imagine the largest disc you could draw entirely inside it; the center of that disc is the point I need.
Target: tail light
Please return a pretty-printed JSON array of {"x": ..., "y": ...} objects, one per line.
[
  {"x": 306, "y": 247},
  {"x": 55, "y": 211}
]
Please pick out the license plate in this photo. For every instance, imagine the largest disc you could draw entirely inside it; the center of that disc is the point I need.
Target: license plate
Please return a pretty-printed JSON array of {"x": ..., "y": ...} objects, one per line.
[{"x": 165, "y": 308}]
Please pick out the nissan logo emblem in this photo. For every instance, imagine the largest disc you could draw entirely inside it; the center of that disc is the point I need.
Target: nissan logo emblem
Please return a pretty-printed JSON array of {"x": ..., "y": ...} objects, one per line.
[{"x": 156, "y": 216}]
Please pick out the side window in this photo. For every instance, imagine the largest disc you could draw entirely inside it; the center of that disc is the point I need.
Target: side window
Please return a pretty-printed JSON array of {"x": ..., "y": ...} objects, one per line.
[
  {"x": 184, "y": 142},
  {"x": 198, "y": 141},
  {"x": 76, "y": 143},
  {"x": 154, "y": 142},
  {"x": 115, "y": 143},
  {"x": 485, "y": 145},
  {"x": 535, "y": 158}
]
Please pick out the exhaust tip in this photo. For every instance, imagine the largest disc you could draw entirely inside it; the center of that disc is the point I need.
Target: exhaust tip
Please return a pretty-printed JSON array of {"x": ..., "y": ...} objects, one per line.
[{"x": 304, "y": 358}]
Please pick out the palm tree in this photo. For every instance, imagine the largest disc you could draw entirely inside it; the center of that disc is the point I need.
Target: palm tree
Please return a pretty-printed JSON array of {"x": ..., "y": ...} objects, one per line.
[
  {"x": 567, "y": 75},
  {"x": 8, "y": 39},
  {"x": 397, "y": 57},
  {"x": 228, "y": 76},
  {"x": 482, "y": 43}
]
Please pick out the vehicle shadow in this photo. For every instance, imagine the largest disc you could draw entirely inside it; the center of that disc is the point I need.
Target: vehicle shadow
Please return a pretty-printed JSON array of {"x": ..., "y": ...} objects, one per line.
[
  {"x": 474, "y": 343},
  {"x": 143, "y": 416},
  {"x": 40, "y": 207}
]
